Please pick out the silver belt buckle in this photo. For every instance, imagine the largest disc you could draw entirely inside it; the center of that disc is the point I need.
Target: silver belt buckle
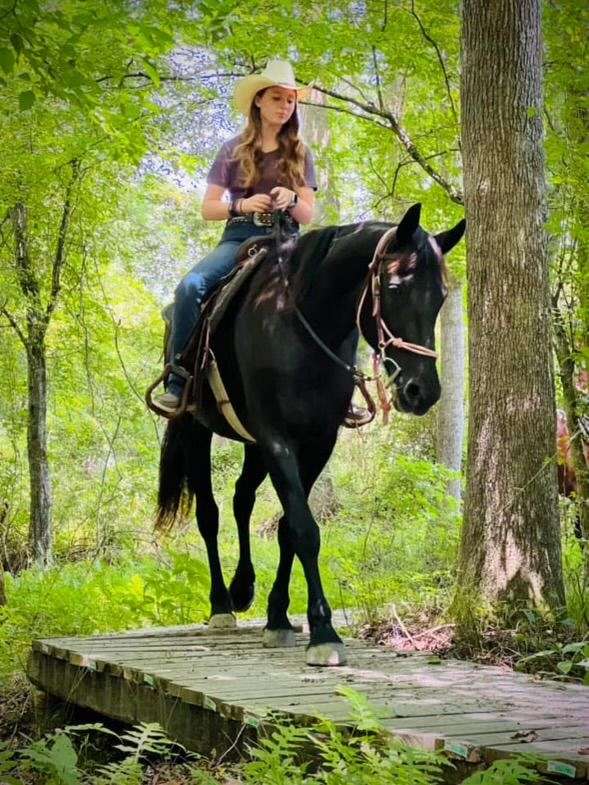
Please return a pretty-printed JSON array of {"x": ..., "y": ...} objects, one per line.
[{"x": 262, "y": 219}]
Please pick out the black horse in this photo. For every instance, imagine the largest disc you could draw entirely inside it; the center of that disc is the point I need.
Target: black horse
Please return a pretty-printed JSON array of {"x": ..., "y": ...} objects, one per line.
[{"x": 292, "y": 396}]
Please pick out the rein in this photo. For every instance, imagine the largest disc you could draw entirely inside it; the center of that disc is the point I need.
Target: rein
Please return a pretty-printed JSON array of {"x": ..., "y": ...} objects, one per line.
[{"x": 384, "y": 335}]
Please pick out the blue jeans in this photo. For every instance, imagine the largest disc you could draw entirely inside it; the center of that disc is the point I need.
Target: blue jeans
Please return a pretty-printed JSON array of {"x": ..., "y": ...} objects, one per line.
[{"x": 198, "y": 282}]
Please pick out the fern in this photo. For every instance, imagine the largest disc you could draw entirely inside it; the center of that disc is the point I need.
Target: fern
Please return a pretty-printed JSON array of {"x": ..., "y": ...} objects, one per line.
[
  {"x": 7, "y": 765},
  {"x": 508, "y": 772},
  {"x": 143, "y": 739}
]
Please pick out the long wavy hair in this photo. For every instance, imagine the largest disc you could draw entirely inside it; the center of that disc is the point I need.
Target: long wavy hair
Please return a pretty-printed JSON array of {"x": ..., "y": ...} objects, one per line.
[{"x": 248, "y": 151}]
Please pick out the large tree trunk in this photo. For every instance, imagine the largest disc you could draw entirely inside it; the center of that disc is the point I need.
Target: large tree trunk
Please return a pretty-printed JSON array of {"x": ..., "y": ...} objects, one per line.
[
  {"x": 510, "y": 547},
  {"x": 450, "y": 409}
]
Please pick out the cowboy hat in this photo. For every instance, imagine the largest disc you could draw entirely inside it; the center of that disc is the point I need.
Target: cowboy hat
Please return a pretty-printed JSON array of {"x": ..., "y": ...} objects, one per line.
[{"x": 277, "y": 73}]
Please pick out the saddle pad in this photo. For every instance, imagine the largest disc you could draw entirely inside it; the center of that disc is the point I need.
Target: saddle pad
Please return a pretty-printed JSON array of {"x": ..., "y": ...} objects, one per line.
[
  {"x": 215, "y": 306},
  {"x": 230, "y": 285}
]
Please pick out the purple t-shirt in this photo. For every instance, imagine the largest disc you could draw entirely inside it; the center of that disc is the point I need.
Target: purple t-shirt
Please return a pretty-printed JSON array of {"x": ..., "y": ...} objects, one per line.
[{"x": 224, "y": 171}]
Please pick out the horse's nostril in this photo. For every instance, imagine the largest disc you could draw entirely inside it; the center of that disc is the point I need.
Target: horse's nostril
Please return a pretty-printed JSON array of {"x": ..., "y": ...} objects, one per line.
[{"x": 412, "y": 391}]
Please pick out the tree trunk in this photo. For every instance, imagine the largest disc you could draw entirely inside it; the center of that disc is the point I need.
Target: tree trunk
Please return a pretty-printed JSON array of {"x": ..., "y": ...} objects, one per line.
[
  {"x": 37, "y": 318},
  {"x": 3, "y": 518},
  {"x": 450, "y": 409},
  {"x": 40, "y": 527},
  {"x": 510, "y": 548}
]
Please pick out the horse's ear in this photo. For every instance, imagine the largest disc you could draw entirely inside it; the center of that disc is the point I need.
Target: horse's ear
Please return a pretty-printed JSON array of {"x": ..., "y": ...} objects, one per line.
[
  {"x": 447, "y": 240},
  {"x": 408, "y": 226}
]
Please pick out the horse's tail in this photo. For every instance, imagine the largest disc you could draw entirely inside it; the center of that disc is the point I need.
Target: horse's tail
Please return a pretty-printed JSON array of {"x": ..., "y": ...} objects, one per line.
[{"x": 174, "y": 493}]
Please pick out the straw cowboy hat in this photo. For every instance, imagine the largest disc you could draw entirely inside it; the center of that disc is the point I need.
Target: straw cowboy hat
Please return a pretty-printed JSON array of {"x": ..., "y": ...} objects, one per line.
[{"x": 277, "y": 73}]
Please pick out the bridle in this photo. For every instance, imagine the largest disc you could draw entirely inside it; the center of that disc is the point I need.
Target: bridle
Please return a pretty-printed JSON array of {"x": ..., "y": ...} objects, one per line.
[{"x": 385, "y": 337}]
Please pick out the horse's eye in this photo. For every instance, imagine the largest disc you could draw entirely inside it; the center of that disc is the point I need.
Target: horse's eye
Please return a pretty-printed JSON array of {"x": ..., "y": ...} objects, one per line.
[{"x": 395, "y": 281}]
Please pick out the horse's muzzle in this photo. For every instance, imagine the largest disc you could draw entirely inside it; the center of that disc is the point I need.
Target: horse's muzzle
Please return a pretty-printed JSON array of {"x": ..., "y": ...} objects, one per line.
[{"x": 414, "y": 397}]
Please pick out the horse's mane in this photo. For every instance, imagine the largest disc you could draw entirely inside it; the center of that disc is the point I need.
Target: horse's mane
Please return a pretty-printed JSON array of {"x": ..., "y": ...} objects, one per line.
[
  {"x": 312, "y": 251},
  {"x": 303, "y": 260}
]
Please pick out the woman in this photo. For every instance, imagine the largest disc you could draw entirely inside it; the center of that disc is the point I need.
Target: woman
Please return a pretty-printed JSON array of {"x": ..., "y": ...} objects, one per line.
[{"x": 265, "y": 168}]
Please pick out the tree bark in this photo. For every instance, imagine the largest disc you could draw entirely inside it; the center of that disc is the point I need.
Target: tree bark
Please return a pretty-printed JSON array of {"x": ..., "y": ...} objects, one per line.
[
  {"x": 450, "y": 409},
  {"x": 3, "y": 517},
  {"x": 510, "y": 548},
  {"x": 38, "y": 316},
  {"x": 40, "y": 525}
]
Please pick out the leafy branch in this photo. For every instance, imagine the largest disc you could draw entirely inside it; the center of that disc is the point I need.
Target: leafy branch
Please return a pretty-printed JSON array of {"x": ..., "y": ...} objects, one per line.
[{"x": 369, "y": 111}]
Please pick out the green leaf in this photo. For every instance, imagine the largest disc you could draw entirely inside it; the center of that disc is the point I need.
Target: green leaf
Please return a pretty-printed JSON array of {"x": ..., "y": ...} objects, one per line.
[
  {"x": 151, "y": 71},
  {"x": 565, "y": 666},
  {"x": 537, "y": 655},
  {"x": 6, "y": 60},
  {"x": 573, "y": 647},
  {"x": 26, "y": 100},
  {"x": 17, "y": 42}
]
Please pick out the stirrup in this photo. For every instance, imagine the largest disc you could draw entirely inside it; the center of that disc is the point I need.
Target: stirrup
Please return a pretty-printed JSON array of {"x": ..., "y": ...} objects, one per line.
[
  {"x": 368, "y": 415},
  {"x": 357, "y": 416},
  {"x": 183, "y": 406}
]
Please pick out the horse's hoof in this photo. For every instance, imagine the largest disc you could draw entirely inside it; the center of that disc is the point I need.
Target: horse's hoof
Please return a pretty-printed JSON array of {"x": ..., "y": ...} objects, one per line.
[
  {"x": 326, "y": 654},
  {"x": 240, "y": 599},
  {"x": 222, "y": 621},
  {"x": 279, "y": 639}
]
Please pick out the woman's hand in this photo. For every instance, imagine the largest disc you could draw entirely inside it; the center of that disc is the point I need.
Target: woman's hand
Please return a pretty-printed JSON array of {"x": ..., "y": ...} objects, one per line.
[
  {"x": 258, "y": 203},
  {"x": 282, "y": 197}
]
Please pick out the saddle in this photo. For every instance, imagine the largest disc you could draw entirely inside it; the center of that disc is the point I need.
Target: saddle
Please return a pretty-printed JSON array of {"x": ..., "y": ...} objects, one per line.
[{"x": 197, "y": 363}]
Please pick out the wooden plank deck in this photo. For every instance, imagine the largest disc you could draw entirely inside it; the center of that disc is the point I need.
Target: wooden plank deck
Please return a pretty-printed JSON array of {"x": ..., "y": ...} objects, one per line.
[{"x": 210, "y": 689}]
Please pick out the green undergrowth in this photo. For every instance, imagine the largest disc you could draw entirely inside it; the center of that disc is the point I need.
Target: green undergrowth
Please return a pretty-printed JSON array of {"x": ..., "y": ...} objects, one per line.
[{"x": 324, "y": 752}]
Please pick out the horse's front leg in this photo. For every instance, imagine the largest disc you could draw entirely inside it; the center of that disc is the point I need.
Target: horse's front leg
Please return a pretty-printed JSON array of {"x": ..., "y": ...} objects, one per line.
[
  {"x": 303, "y": 537},
  {"x": 252, "y": 474}
]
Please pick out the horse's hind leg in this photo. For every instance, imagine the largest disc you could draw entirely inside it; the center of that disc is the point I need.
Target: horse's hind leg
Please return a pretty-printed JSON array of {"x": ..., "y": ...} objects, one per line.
[
  {"x": 207, "y": 518},
  {"x": 279, "y": 632},
  {"x": 252, "y": 474}
]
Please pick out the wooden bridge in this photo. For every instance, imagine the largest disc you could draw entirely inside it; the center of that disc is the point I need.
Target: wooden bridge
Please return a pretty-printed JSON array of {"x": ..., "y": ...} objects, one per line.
[{"x": 211, "y": 692}]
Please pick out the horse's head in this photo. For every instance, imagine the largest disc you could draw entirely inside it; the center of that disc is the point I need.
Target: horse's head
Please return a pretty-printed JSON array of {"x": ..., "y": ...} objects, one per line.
[{"x": 412, "y": 291}]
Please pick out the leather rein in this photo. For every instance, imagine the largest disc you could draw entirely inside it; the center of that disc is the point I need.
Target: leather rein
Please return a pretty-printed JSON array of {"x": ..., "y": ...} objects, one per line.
[{"x": 384, "y": 336}]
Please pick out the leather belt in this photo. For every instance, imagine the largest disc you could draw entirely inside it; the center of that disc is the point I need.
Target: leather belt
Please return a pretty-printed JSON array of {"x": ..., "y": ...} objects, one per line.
[{"x": 260, "y": 219}]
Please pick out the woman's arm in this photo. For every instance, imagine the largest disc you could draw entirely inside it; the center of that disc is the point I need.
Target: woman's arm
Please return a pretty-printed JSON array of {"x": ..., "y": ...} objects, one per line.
[
  {"x": 305, "y": 207},
  {"x": 213, "y": 208},
  {"x": 303, "y": 210}
]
